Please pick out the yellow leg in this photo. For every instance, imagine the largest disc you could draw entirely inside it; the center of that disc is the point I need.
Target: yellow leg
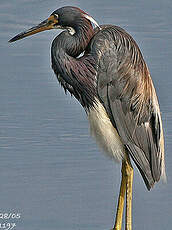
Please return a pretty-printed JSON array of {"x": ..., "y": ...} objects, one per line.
[
  {"x": 125, "y": 189},
  {"x": 129, "y": 183},
  {"x": 119, "y": 213}
]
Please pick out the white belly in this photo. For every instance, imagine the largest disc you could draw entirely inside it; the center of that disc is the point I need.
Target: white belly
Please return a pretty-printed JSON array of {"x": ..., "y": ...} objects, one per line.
[{"x": 105, "y": 133}]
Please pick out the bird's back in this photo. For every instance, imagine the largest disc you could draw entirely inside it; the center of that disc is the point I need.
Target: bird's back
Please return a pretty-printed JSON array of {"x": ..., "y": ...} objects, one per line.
[{"x": 126, "y": 91}]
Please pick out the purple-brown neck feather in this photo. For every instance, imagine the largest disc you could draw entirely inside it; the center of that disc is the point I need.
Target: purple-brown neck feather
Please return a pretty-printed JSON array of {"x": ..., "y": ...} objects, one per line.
[{"x": 76, "y": 75}]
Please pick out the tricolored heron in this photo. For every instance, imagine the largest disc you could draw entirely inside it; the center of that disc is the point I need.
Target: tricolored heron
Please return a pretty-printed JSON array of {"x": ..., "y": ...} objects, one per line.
[{"x": 112, "y": 82}]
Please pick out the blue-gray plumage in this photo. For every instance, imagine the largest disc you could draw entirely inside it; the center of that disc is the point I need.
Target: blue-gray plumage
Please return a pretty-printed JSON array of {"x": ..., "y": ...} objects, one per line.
[
  {"x": 112, "y": 82},
  {"x": 126, "y": 90}
]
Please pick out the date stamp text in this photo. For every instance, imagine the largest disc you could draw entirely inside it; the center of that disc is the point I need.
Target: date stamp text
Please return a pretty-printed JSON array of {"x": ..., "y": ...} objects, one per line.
[{"x": 8, "y": 220}]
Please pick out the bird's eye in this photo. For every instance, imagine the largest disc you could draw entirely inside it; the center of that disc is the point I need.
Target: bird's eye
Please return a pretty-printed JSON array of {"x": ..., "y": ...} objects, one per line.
[
  {"x": 56, "y": 16},
  {"x": 53, "y": 19}
]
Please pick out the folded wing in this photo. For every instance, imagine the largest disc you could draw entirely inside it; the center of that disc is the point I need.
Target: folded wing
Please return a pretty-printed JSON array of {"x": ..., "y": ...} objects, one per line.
[{"x": 126, "y": 90}]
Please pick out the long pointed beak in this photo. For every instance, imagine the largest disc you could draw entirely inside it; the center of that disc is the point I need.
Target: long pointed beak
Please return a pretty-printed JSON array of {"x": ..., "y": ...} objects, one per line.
[{"x": 48, "y": 24}]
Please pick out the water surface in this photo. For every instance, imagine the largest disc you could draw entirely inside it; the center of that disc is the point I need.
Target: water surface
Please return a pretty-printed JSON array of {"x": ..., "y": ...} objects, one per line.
[{"x": 51, "y": 171}]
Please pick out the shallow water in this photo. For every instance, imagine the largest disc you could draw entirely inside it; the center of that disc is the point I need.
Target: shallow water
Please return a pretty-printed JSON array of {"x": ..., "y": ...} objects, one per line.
[{"x": 51, "y": 171}]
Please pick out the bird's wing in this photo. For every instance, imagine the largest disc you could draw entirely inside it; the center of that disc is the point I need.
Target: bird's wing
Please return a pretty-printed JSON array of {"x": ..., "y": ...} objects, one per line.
[{"x": 126, "y": 90}]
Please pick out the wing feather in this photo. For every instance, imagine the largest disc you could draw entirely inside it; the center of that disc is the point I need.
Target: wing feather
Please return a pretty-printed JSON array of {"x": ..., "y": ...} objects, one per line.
[{"x": 126, "y": 90}]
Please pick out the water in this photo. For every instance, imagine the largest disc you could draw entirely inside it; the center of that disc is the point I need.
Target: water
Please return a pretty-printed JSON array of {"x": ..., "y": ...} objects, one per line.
[{"x": 51, "y": 171}]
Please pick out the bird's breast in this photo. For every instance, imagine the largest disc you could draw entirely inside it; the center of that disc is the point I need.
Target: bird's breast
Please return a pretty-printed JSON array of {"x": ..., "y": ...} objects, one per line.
[{"x": 104, "y": 132}]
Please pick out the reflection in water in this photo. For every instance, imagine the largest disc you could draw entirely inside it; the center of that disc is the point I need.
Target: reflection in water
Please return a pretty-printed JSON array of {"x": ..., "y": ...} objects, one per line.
[{"x": 51, "y": 171}]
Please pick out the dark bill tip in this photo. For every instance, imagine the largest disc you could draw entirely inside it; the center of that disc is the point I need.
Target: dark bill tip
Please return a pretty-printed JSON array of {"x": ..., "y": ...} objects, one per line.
[
  {"x": 11, "y": 40},
  {"x": 24, "y": 34},
  {"x": 45, "y": 25},
  {"x": 17, "y": 37}
]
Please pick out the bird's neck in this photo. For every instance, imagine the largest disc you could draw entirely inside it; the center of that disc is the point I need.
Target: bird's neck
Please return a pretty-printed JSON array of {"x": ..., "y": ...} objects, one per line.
[
  {"x": 82, "y": 37},
  {"x": 77, "y": 75},
  {"x": 73, "y": 44}
]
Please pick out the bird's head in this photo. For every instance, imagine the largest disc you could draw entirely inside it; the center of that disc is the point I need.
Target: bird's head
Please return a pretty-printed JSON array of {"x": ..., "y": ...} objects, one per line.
[{"x": 67, "y": 17}]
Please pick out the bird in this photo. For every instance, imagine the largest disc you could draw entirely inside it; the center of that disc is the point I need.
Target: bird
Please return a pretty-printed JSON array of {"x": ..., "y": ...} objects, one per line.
[{"x": 104, "y": 69}]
